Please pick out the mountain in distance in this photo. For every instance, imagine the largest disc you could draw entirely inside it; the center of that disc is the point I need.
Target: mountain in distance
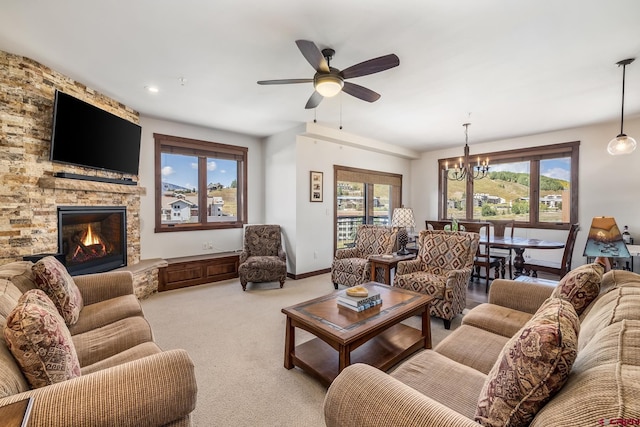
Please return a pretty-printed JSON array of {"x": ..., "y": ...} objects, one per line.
[{"x": 167, "y": 186}]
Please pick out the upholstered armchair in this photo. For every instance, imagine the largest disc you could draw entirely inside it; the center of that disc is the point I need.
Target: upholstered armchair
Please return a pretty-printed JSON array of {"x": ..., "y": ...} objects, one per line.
[
  {"x": 441, "y": 269},
  {"x": 351, "y": 266},
  {"x": 262, "y": 258}
]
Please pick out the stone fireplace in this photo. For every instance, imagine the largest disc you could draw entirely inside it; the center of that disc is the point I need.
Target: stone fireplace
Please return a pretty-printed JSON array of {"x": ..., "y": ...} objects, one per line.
[{"x": 92, "y": 239}]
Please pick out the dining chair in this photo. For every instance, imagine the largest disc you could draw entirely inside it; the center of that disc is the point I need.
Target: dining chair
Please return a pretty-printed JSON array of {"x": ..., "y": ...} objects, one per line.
[
  {"x": 483, "y": 259},
  {"x": 532, "y": 266},
  {"x": 436, "y": 224},
  {"x": 499, "y": 230}
]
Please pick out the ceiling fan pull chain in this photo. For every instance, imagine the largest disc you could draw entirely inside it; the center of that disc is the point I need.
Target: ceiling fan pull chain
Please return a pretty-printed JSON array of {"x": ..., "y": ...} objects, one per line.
[{"x": 340, "y": 111}]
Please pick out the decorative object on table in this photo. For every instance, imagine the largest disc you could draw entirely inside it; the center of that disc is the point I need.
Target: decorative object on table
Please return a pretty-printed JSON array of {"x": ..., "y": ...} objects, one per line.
[
  {"x": 454, "y": 226},
  {"x": 403, "y": 218},
  {"x": 315, "y": 186},
  {"x": 359, "y": 303},
  {"x": 464, "y": 169},
  {"x": 605, "y": 239},
  {"x": 622, "y": 144},
  {"x": 357, "y": 291},
  {"x": 626, "y": 236}
]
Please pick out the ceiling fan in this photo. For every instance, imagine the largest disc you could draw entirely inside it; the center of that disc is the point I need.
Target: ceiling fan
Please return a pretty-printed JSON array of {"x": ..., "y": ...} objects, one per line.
[{"x": 329, "y": 81}]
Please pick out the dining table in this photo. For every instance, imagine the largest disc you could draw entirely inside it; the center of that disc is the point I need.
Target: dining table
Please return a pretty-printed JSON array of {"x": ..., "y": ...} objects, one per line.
[{"x": 519, "y": 244}]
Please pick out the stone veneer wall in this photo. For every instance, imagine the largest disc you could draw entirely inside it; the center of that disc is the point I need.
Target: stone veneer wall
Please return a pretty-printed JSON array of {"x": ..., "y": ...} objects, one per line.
[{"x": 29, "y": 193}]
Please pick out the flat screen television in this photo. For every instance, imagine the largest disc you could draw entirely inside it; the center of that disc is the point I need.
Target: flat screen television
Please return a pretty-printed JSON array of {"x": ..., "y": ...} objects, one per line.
[{"x": 85, "y": 135}]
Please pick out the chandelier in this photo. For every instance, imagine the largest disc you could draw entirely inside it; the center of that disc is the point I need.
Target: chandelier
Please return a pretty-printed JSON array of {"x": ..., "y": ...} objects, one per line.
[{"x": 464, "y": 169}]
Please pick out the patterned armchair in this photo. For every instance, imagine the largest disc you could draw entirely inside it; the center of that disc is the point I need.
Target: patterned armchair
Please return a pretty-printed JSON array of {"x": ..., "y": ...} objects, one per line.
[
  {"x": 442, "y": 269},
  {"x": 351, "y": 266},
  {"x": 262, "y": 258}
]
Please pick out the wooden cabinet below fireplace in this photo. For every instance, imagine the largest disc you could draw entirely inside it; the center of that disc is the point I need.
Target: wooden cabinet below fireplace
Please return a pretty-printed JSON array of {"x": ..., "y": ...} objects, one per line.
[{"x": 197, "y": 270}]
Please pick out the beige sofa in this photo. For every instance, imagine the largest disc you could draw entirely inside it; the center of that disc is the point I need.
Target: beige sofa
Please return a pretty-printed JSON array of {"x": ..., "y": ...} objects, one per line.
[
  {"x": 126, "y": 379},
  {"x": 441, "y": 387}
]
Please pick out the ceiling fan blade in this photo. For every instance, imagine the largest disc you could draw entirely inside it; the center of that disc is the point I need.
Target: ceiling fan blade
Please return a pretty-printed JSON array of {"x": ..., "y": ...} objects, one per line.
[
  {"x": 284, "y": 81},
  {"x": 314, "y": 100},
  {"x": 371, "y": 66},
  {"x": 360, "y": 92},
  {"x": 312, "y": 54}
]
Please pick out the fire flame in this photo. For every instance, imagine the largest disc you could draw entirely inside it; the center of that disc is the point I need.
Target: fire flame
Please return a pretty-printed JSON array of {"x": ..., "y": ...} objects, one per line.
[{"x": 90, "y": 238}]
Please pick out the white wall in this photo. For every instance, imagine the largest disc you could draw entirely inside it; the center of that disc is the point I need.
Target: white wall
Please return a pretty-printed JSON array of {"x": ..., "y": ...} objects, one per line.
[
  {"x": 185, "y": 243},
  {"x": 319, "y": 150},
  {"x": 608, "y": 185}
]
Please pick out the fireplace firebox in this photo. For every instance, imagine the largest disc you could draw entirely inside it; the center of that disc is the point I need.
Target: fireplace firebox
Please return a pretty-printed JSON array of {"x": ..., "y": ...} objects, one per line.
[{"x": 92, "y": 239}]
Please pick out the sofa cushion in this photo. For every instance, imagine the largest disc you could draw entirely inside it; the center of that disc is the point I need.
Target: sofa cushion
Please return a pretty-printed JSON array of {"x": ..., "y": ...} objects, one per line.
[
  {"x": 580, "y": 286},
  {"x": 40, "y": 341},
  {"x": 9, "y": 296},
  {"x": 435, "y": 375},
  {"x": 19, "y": 272},
  {"x": 105, "y": 312},
  {"x": 472, "y": 347},
  {"x": 534, "y": 364},
  {"x": 614, "y": 306},
  {"x": 496, "y": 319},
  {"x": 52, "y": 277}
]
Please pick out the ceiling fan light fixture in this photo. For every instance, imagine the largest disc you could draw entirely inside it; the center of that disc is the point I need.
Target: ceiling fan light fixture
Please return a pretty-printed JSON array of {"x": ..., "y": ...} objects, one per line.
[
  {"x": 328, "y": 85},
  {"x": 621, "y": 144}
]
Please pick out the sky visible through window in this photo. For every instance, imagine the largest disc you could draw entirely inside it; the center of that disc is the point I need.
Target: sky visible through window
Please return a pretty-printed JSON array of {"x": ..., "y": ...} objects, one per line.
[
  {"x": 183, "y": 170},
  {"x": 552, "y": 168}
]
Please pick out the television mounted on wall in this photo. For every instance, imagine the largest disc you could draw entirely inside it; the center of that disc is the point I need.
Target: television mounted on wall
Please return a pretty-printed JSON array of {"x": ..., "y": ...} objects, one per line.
[{"x": 85, "y": 135}]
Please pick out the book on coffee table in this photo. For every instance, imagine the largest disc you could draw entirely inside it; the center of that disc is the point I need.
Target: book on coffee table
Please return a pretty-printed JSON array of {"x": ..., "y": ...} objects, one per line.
[
  {"x": 360, "y": 307},
  {"x": 358, "y": 301}
]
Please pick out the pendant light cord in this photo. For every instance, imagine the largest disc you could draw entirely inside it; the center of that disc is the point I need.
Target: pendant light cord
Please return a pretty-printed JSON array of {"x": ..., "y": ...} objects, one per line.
[{"x": 624, "y": 69}]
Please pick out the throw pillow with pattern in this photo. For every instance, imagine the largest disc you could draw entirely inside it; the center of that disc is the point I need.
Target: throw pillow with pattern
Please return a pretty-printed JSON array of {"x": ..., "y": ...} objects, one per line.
[
  {"x": 52, "y": 277},
  {"x": 580, "y": 286},
  {"x": 40, "y": 341},
  {"x": 532, "y": 367}
]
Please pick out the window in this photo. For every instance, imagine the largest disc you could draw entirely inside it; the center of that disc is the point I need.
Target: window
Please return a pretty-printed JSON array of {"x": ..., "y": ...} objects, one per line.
[
  {"x": 547, "y": 175},
  {"x": 363, "y": 197},
  {"x": 199, "y": 185}
]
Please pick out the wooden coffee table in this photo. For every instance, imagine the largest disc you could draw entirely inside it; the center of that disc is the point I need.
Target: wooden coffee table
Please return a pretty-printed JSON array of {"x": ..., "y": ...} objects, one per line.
[{"x": 374, "y": 336}]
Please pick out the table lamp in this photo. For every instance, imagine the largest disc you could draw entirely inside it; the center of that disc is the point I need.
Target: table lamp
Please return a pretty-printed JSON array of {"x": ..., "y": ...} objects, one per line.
[
  {"x": 605, "y": 240},
  {"x": 403, "y": 218}
]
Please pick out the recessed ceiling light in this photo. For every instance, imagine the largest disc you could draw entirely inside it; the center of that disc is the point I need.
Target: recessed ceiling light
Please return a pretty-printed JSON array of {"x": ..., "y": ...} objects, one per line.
[{"x": 152, "y": 89}]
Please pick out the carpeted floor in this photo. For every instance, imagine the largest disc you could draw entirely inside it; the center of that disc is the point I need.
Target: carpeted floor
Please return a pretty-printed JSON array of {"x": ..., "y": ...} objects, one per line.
[{"x": 236, "y": 340}]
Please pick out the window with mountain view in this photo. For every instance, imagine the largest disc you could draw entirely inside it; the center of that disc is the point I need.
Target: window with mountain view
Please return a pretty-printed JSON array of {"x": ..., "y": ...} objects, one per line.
[
  {"x": 536, "y": 187},
  {"x": 199, "y": 184}
]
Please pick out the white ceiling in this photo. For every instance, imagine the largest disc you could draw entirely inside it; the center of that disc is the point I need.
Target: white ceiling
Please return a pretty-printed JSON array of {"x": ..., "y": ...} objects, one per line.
[{"x": 519, "y": 67}]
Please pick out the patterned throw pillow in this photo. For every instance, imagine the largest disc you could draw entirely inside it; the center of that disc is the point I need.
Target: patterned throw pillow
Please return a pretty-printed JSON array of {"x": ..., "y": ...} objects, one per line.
[
  {"x": 580, "y": 286},
  {"x": 40, "y": 341},
  {"x": 533, "y": 366},
  {"x": 52, "y": 277}
]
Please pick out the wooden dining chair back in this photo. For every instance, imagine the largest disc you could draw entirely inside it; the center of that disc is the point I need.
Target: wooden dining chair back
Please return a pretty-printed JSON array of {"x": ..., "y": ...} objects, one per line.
[
  {"x": 500, "y": 229},
  {"x": 531, "y": 267},
  {"x": 436, "y": 224},
  {"x": 484, "y": 259}
]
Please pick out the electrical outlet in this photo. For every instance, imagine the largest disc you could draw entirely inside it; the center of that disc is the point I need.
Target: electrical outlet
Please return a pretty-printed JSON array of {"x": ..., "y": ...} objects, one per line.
[
  {"x": 315, "y": 254},
  {"x": 204, "y": 245},
  {"x": 210, "y": 245}
]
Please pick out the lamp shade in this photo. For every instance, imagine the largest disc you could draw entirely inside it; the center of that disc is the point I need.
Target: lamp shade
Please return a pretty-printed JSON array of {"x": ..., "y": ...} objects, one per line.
[
  {"x": 328, "y": 85},
  {"x": 403, "y": 217},
  {"x": 605, "y": 239},
  {"x": 621, "y": 144}
]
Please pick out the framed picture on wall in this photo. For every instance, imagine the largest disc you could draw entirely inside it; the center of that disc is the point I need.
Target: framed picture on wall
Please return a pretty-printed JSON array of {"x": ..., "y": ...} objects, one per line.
[{"x": 316, "y": 186}]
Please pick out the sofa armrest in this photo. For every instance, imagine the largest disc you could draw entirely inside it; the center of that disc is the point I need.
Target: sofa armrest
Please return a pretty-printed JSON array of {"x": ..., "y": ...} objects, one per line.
[
  {"x": 103, "y": 286},
  {"x": 154, "y": 390},
  {"x": 406, "y": 267},
  {"x": 365, "y": 396},
  {"x": 521, "y": 296},
  {"x": 347, "y": 253}
]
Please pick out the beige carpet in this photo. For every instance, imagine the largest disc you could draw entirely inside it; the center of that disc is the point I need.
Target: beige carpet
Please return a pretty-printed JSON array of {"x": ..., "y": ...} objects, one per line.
[{"x": 236, "y": 340}]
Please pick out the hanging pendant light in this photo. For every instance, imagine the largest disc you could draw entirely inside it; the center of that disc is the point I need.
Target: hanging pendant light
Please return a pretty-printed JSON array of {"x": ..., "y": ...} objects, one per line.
[{"x": 622, "y": 144}]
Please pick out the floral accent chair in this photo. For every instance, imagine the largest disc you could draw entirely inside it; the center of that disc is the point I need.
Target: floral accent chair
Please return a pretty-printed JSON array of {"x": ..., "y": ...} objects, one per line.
[
  {"x": 262, "y": 258},
  {"x": 442, "y": 269},
  {"x": 351, "y": 266}
]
